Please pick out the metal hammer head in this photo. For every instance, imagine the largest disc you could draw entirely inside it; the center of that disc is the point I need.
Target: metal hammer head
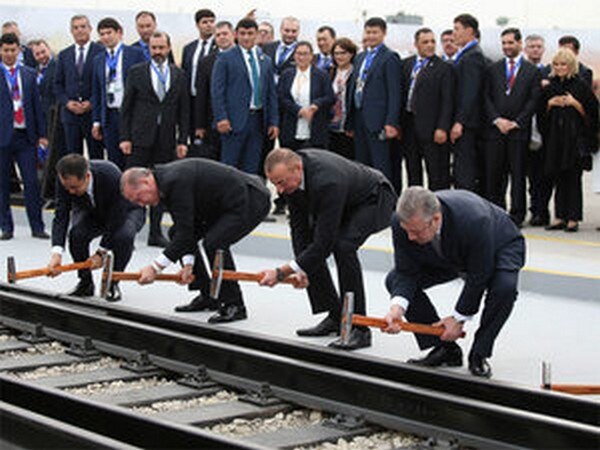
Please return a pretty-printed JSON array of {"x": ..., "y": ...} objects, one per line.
[
  {"x": 107, "y": 274},
  {"x": 216, "y": 275},
  {"x": 11, "y": 270},
  {"x": 346, "y": 322}
]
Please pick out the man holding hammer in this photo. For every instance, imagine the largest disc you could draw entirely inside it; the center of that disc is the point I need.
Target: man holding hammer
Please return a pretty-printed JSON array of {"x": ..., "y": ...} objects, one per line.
[
  {"x": 207, "y": 200},
  {"x": 91, "y": 191},
  {"x": 335, "y": 205},
  {"x": 439, "y": 237}
]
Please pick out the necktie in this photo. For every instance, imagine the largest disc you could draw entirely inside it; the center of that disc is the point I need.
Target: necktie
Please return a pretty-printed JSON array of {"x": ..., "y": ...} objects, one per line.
[
  {"x": 511, "y": 71},
  {"x": 203, "y": 49},
  {"x": 411, "y": 87},
  {"x": 256, "y": 96},
  {"x": 161, "y": 88},
  {"x": 19, "y": 117},
  {"x": 282, "y": 55},
  {"x": 80, "y": 61}
]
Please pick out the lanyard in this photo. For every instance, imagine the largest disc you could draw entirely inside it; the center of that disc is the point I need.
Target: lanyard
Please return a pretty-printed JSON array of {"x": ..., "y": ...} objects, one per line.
[
  {"x": 368, "y": 61},
  {"x": 473, "y": 43},
  {"x": 112, "y": 62},
  {"x": 418, "y": 66},
  {"x": 283, "y": 54},
  {"x": 145, "y": 49},
  {"x": 162, "y": 78},
  {"x": 13, "y": 79},
  {"x": 41, "y": 74},
  {"x": 510, "y": 73}
]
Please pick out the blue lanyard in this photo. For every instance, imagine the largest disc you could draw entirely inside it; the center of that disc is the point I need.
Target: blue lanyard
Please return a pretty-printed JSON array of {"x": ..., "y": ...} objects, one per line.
[
  {"x": 371, "y": 54},
  {"x": 145, "y": 49},
  {"x": 418, "y": 66},
  {"x": 161, "y": 78},
  {"x": 471, "y": 44},
  {"x": 112, "y": 62},
  {"x": 283, "y": 54},
  {"x": 41, "y": 74},
  {"x": 13, "y": 79},
  {"x": 511, "y": 73}
]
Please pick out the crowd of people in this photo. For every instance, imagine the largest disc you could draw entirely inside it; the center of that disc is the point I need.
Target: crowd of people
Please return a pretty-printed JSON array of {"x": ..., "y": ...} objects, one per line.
[{"x": 242, "y": 105}]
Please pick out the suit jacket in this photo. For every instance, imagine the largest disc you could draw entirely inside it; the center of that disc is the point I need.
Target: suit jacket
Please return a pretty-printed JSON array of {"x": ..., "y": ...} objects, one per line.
[
  {"x": 46, "y": 87},
  {"x": 197, "y": 192},
  {"x": 35, "y": 122},
  {"x": 477, "y": 237},
  {"x": 333, "y": 188},
  {"x": 188, "y": 54},
  {"x": 109, "y": 210},
  {"x": 270, "y": 50},
  {"x": 519, "y": 105},
  {"x": 202, "y": 103},
  {"x": 138, "y": 44},
  {"x": 141, "y": 108},
  {"x": 470, "y": 72},
  {"x": 321, "y": 95},
  {"x": 432, "y": 98},
  {"x": 68, "y": 85},
  {"x": 28, "y": 58},
  {"x": 231, "y": 89},
  {"x": 382, "y": 96},
  {"x": 130, "y": 57}
]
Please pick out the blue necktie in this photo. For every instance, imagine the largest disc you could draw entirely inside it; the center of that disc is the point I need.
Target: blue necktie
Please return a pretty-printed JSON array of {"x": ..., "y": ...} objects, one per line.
[{"x": 255, "y": 80}]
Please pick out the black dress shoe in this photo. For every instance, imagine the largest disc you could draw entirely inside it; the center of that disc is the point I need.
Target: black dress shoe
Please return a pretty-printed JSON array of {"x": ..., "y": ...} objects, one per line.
[
  {"x": 479, "y": 366},
  {"x": 85, "y": 288},
  {"x": 229, "y": 313},
  {"x": 556, "y": 226},
  {"x": 359, "y": 338},
  {"x": 158, "y": 241},
  {"x": 279, "y": 209},
  {"x": 325, "y": 327},
  {"x": 199, "y": 303},
  {"x": 572, "y": 228},
  {"x": 449, "y": 355},
  {"x": 114, "y": 293},
  {"x": 539, "y": 221},
  {"x": 6, "y": 236},
  {"x": 40, "y": 235}
]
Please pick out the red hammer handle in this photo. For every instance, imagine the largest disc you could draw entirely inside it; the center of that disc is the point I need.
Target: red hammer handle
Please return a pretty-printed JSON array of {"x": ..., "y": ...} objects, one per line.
[
  {"x": 134, "y": 276},
  {"x": 46, "y": 271},
  {"x": 378, "y": 322},
  {"x": 231, "y": 275},
  {"x": 576, "y": 389}
]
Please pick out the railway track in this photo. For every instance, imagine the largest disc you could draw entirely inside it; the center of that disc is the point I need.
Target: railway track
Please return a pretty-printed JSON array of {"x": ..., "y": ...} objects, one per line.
[{"x": 87, "y": 374}]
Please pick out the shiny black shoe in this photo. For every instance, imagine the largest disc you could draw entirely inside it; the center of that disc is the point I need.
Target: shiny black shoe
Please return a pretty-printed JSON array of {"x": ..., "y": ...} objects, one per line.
[
  {"x": 85, "y": 288},
  {"x": 6, "y": 236},
  {"x": 325, "y": 327},
  {"x": 158, "y": 241},
  {"x": 556, "y": 226},
  {"x": 479, "y": 366},
  {"x": 229, "y": 313},
  {"x": 114, "y": 293},
  {"x": 359, "y": 338},
  {"x": 279, "y": 209},
  {"x": 539, "y": 221},
  {"x": 199, "y": 303},
  {"x": 40, "y": 235},
  {"x": 449, "y": 355}
]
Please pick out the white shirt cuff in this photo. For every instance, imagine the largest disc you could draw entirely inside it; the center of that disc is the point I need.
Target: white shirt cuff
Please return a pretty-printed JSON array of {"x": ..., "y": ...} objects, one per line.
[
  {"x": 401, "y": 302},
  {"x": 58, "y": 249},
  {"x": 96, "y": 124},
  {"x": 458, "y": 316},
  {"x": 188, "y": 259},
  {"x": 163, "y": 261},
  {"x": 295, "y": 267}
]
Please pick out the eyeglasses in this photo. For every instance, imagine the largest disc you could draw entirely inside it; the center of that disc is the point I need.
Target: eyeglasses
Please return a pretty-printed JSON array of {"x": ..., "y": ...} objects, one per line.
[{"x": 340, "y": 53}]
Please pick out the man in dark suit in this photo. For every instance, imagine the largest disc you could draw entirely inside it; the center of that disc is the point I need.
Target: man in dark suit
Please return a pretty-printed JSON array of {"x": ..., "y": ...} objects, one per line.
[
  {"x": 145, "y": 25},
  {"x": 374, "y": 102},
  {"x": 211, "y": 148},
  {"x": 73, "y": 88},
  {"x": 26, "y": 55},
  {"x": 427, "y": 111},
  {"x": 335, "y": 205},
  {"x": 511, "y": 92},
  {"x": 207, "y": 200},
  {"x": 282, "y": 52},
  {"x": 469, "y": 66},
  {"x": 244, "y": 100},
  {"x": 325, "y": 41},
  {"x": 23, "y": 130},
  {"x": 305, "y": 99},
  {"x": 437, "y": 238},
  {"x": 154, "y": 118},
  {"x": 111, "y": 68},
  {"x": 45, "y": 70},
  {"x": 449, "y": 48},
  {"x": 91, "y": 192}
]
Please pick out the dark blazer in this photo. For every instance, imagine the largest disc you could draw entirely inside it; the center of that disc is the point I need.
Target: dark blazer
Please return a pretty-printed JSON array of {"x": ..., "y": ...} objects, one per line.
[
  {"x": 519, "y": 105},
  {"x": 333, "y": 187},
  {"x": 433, "y": 96},
  {"x": 140, "y": 110},
  {"x": 204, "y": 114},
  {"x": 68, "y": 85},
  {"x": 138, "y": 44},
  {"x": 188, "y": 54},
  {"x": 198, "y": 191},
  {"x": 231, "y": 90},
  {"x": 470, "y": 72},
  {"x": 46, "y": 87},
  {"x": 382, "y": 96},
  {"x": 321, "y": 95},
  {"x": 477, "y": 237},
  {"x": 28, "y": 58},
  {"x": 270, "y": 50},
  {"x": 109, "y": 211},
  {"x": 130, "y": 57},
  {"x": 35, "y": 122}
]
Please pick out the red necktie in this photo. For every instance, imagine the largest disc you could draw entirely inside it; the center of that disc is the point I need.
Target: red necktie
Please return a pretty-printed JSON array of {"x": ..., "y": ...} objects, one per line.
[
  {"x": 511, "y": 70},
  {"x": 19, "y": 118}
]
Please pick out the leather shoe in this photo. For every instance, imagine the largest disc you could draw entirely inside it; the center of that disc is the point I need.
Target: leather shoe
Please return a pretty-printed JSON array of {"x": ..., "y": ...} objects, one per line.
[
  {"x": 114, "y": 293},
  {"x": 158, "y": 241},
  {"x": 479, "y": 366},
  {"x": 359, "y": 338},
  {"x": 556, "y": 226},
  {"x": 229, "y": 313},
  {"x": 539, "y": 221},
  {"x": 85, "y": 288},
  {"x": 325, "y": 327},
  {"x": 6, "y": 236},
  {"x": 199, "y": 303},
  {"x": 40, "y": 235},
  {"x": 572, "y": 228},
  {"x": 449, "y": 355}
]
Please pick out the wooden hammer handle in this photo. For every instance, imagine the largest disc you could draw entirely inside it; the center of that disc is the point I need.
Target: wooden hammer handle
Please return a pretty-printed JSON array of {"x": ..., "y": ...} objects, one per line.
[
  {"x": 575, "y": 389},
  {"x": 231, "y": 275},
  {"x": 134, "y": 276},
  {"x": 46, "y": 271},
  {"x": 378, "y": 322}
]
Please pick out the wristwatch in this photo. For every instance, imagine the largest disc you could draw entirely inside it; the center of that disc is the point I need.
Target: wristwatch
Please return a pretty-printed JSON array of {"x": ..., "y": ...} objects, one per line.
[{"x": 280, "y": 275}]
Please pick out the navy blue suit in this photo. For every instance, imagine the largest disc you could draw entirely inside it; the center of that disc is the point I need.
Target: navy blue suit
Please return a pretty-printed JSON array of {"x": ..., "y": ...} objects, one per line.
[
  {"x": 109, "y": 117},
  {"x": 68, "y": 85},
  {"x": 231, "y": 93},
  {"x": 321, "y": 95},
  {"x": 478, "y": 240},
  {"x": 21, "y": 146},
  {"x": 381, "y": 102}
]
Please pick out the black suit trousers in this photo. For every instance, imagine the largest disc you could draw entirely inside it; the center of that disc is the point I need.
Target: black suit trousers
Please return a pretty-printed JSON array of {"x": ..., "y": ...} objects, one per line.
[{"x": 466, "y": 161}]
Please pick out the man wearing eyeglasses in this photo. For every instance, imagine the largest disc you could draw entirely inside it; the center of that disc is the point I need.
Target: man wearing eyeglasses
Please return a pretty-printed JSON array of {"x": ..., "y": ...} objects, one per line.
[{"x": 439, "y": 237}]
